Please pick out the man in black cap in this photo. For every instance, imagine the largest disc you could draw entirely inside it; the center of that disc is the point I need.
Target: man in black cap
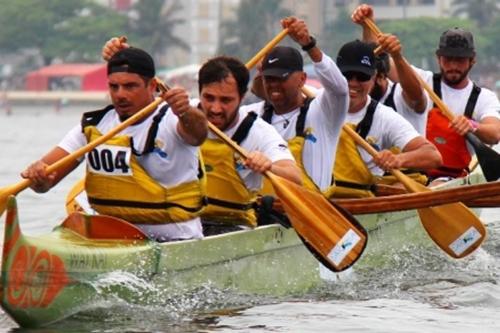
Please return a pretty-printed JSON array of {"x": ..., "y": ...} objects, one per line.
[
  {"x": 476, "y": 109},
  {"x": 149, "y": 173},
  {"x": 355, "y": 170},
  {"x": 311, "y": 126}
]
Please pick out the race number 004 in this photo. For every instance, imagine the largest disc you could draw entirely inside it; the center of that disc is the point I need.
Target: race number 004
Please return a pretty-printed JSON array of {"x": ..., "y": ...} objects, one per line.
[{"x": 107, "y": 159}]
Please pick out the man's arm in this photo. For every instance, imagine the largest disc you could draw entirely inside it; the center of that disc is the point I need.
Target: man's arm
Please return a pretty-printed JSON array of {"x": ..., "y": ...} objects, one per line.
[
  {"x": 417, "y": 154},
  {"x": 487, "y": 130},
  {"x": 192, "y": 125},
  {"x": 260, "y": 163},
  {"x": 413, "y": 93},
  {"x": 41, "y": 181},
  {"x": 358, "y": 16}
]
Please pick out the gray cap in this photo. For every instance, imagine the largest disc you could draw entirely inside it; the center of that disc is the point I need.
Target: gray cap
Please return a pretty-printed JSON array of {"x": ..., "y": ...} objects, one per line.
[{"x": 456, "y": 42}]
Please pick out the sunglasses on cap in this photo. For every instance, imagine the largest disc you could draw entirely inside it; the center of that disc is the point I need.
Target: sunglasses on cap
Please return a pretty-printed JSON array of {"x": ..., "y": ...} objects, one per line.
[{"x": 360, "y": 77}]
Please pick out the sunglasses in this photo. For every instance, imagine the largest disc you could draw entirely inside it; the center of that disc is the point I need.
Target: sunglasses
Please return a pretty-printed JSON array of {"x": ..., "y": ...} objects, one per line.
[{"x": 360, "y": 77}]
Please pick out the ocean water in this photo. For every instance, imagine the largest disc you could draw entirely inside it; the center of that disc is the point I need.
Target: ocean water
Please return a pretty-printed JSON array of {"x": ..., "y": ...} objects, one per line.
[{"x": 419, "y": 290}]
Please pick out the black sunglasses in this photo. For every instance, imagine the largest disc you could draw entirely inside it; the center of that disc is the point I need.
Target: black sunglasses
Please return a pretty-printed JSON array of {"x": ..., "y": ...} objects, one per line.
[{"x": 361, "y": 77}]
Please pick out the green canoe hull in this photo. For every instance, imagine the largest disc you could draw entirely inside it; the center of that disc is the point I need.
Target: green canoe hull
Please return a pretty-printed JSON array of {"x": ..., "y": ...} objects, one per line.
[{"x": 50, "y": 277}]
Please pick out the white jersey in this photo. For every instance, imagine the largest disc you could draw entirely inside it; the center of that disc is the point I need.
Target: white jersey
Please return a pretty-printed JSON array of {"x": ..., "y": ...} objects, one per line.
[
  {"x": 418, "y": 120},
  {"x": 264, "y": 138},
  {"x": 171, "y": 163},
  {"x": 325, "y": 117},
  {"x": 389, "y": 129}
]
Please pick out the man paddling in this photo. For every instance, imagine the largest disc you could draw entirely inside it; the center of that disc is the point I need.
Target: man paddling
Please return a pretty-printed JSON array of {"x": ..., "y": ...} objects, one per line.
[
  {"x": 233, "y": 184},
  {"x": 475, "y": 109},
  {"x": 355, "y": 170},
  {"x": 149, "y": 174},
  {"x": 311, "y": 126}
]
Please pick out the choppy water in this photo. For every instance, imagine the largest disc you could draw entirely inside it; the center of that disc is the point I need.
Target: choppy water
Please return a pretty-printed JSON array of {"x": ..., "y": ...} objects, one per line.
[{"x": 420, "y": 290}]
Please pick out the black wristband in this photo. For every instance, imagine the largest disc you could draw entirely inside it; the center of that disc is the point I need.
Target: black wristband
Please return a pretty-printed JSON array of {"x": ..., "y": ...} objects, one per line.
[{"x": 310, "y": 45}]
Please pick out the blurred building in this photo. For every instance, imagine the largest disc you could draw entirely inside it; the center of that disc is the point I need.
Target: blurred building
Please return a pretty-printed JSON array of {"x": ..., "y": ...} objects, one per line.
[{"x": 202, "y": 18}]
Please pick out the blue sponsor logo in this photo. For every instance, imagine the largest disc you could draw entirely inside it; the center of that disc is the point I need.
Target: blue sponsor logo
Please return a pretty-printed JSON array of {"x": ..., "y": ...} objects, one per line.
[{"x": 160, "y": 152}]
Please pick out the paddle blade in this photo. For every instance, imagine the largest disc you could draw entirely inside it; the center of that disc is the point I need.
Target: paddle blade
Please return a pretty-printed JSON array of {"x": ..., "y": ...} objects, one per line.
[
  {"x": 333, "y": 233},
  {"x": 454, "y": 228},
  {"x": 489, "y": 159}
]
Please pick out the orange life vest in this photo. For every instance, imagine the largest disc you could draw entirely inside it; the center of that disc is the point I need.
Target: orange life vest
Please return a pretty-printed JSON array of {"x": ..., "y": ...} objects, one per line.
[{"x": 451, "y": 145}]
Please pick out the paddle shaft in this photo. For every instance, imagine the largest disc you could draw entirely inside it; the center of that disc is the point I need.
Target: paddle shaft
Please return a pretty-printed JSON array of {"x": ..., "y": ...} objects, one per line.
[{"x": 272, "y": 43}]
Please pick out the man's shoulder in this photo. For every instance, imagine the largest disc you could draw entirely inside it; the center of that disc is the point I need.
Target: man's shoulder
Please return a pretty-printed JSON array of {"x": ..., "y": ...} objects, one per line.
[{"x": 255, "y": 107}]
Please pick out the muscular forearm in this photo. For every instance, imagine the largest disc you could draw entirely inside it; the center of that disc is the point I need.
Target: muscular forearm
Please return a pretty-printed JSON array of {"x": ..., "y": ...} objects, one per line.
[
  {"x": 489, "y": 132},
  {"x": 412, "y": 90},
  {"x": 425, "y": 157},
  {"x": 288, "y": 171},
  {"x": 193, "y": 127}
]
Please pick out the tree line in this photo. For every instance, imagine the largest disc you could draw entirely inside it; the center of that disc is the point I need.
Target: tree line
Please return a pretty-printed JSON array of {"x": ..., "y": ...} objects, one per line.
[{"x": 74, "y": 30}]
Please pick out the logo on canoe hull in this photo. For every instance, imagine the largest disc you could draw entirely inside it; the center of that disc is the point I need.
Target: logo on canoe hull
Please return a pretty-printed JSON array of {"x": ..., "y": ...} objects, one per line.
[{"x": 35, "y": 278}]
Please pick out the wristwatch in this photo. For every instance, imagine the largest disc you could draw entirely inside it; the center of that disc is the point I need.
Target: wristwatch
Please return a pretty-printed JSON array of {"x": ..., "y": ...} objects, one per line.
[
  {"x": 309, "y": 45},
  {"x": 474, "y": 124}
]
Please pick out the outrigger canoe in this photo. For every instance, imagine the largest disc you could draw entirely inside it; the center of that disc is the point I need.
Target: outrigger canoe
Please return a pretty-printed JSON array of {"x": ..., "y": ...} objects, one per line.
[{"x": 50, "y": 277}]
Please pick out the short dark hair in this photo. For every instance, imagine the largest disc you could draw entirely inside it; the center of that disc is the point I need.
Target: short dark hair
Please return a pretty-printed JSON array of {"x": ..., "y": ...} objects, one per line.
[{"x": 219, "y": 68}]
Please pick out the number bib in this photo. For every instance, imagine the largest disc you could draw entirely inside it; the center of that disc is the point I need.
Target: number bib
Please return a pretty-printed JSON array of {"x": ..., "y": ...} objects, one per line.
[{"x": 110, "y": 160}]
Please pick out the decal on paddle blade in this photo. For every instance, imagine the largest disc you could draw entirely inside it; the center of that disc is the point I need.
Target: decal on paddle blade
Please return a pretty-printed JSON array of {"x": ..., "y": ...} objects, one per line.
[
  {"x": 343, "y": 247},
  {"x": 466, "y": 240}
]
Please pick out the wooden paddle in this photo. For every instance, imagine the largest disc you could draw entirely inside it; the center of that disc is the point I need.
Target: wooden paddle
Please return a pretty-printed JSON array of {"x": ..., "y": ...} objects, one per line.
[
  {"x": 22, "y": 185},
  {"x": 334, "y": 236},
  {"x": 489, "y": 159},
  {"x": 453, "y": 227}
]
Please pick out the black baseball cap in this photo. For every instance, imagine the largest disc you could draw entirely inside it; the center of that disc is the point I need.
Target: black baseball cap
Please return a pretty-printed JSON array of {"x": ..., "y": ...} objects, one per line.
[
  {"x": 456, "y": 42},
  {"x": 132, "y": 60},
  {"x": 356, "y": 56},
  {"x": 282, "y": 61}
]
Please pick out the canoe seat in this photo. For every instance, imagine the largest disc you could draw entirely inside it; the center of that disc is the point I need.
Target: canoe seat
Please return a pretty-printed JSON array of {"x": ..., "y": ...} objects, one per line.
[{"x": 102, "y": 227}]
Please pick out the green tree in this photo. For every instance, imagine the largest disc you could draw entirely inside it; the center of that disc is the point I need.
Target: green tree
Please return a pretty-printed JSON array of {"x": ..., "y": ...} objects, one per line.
[
  {"x": 339, "y": 31},
  {"x": 257, "y": 22},
  {"x": 67, "y": 29},
  {"x": 481, "y": 11},
  {"x": 153, "y": 25}
]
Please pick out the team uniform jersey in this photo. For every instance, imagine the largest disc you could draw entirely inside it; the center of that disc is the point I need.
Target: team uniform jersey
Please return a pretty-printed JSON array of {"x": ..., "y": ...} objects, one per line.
[
  {"x": 389, "y": 129},
  {"x": 262, "y": 137},
  {"x": 325, "y": 117},
  {"x": 172, "y": 162},
  {"x": 418, "y": 120}
]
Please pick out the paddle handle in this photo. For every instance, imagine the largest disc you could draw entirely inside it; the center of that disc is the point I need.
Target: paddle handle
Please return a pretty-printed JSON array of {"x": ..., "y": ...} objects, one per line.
[
  {"x": 435, "y": 98},
  {"x": 272, "y": 43},
  {"x": 404, "y": 179}
]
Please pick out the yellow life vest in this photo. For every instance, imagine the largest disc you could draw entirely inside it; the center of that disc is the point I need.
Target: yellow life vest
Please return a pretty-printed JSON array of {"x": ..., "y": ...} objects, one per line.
[
  {"x": 295, "y": 144},
  {"x": 229, "y": 200},
  {"x": 352, "y": 177},
  {"x": 124, "y": 189}
]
